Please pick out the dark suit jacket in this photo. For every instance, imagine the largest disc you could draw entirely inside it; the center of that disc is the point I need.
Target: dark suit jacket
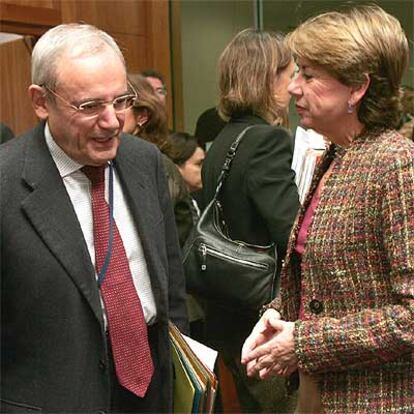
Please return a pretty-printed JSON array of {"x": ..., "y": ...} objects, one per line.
[
  {"x": 259, "y": 198},
  {"x": 53, "y": 346}
]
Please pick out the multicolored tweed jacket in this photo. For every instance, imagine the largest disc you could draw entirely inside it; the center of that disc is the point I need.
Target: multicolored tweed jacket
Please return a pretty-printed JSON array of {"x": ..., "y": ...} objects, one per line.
[{"x": 357, "y": 279}]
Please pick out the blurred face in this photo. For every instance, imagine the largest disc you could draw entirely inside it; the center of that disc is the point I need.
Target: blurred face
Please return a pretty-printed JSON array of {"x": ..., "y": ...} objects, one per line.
[
  {"x": 89, "y": 141},
  {"x": 158, "y": 88},
  {"x": 320, "y": 100},
  {"x": 191, "y": 170},
  {"x": 281, "y": 85}
]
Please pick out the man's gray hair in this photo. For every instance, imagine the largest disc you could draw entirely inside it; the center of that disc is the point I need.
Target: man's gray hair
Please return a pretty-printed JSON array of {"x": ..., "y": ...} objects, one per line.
[{"x": 75, "y": 39}]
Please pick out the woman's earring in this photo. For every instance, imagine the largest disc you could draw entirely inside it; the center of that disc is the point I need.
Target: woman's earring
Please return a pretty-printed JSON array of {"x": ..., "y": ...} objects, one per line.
[
  {"x": 138, "y": 129},
  {"x": 350, "y": 108}
]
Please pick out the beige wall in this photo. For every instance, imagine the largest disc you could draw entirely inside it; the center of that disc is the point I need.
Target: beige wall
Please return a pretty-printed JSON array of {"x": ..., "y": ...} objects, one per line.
[
  {"x": 206, "y": 28},
  {"x": 141, "y": 28},
  {"x": 208, "y": 25},
  {"x": 285, "y": 15}
]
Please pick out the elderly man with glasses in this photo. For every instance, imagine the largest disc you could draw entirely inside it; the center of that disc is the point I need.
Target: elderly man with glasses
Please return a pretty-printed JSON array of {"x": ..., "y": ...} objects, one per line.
[{"x": 91, "y": 270}]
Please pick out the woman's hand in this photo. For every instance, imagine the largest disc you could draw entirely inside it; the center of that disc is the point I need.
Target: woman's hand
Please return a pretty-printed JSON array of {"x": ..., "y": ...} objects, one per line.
[{"x": 270, "y": 348}]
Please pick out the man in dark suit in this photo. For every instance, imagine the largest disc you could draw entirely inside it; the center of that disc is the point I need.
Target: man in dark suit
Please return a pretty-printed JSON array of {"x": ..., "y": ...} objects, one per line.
[{"x": 87, "y": 290}]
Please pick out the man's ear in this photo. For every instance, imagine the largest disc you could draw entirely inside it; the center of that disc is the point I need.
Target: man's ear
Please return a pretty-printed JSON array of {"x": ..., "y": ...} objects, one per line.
[
  {"x": 38, "y": 98},
  {"x": 358, "y": 92}
]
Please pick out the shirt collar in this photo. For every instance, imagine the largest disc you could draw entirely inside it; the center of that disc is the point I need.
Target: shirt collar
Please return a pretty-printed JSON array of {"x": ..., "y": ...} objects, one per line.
[{"x": 64, "y": 163}]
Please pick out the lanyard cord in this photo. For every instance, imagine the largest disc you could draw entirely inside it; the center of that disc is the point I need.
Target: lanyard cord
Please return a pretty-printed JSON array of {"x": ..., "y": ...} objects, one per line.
[{"x": 102, "y": 273}]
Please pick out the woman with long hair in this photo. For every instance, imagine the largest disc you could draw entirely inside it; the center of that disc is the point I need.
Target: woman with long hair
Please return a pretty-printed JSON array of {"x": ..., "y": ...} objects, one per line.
[{"x": 259, "y": 198}]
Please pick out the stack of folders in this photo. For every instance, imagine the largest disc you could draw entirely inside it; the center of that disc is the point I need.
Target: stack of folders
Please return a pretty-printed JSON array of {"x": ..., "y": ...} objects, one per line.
[
  {"x": 195, "y": 384},
  {"x": 309, "y": 148}
]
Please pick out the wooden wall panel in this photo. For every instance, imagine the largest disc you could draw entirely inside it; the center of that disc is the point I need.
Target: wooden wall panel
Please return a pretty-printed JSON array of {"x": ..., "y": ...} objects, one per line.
[
  {"x": 48, "y": 4},
  {"x": 134, "y": 49},
  {"x": 14, "y": 81},
  {"x": 79, "y": 11},
  {"x": 176, "y": 66},
  {"x": 126, "y": 17},
  {"x": 141, "y": 27},
  {"x": 158, "y": 45},
  {"x": 125, "y": 21},
  {"x": 30, "y": 20}
]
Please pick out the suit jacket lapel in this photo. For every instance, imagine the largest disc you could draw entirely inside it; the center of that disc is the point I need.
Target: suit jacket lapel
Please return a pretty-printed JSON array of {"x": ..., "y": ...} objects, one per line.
[{"x": 49, "y": 209}]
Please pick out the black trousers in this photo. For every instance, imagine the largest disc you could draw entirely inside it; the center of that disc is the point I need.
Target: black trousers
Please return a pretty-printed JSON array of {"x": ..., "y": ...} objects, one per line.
[{"x": 123, "y": 401}]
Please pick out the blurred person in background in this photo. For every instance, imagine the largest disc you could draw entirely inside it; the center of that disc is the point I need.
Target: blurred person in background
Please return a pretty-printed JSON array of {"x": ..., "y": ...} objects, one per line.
[
  {"x": 156, "y": 80},
  {"x": 147, "y": 119},
  {"x": 188, "y": 157},
  {"x": 6, "y": 134},
  {"x": 208, "y": 126}
]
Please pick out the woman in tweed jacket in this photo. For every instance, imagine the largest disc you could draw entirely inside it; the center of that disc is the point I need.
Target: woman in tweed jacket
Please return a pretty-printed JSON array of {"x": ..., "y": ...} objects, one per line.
[{"x": 344, "y": 318}]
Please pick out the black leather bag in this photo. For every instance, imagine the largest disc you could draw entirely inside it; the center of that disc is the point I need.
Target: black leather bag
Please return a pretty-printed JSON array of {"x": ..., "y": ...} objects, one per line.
[{"x": 232, "y": 273}]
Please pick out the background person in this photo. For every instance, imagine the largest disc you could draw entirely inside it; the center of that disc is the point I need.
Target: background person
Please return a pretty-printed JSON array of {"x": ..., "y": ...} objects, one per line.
[
  {"x": 79, "y": 335},
  {"x": 156, "y": 80},
  {"x": 6, "y": 134},
  {"x": 188, "y": 156},
  {"x": 259, "y": 197},
  {"x": 147, "y": 119},
  {"x": 347, "y": 291},
  {"x": 208, "y": 126}
]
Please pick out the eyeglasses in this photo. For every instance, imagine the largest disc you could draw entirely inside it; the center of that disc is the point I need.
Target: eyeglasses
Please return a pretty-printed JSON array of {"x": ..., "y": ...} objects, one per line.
[{"x": 94, "y": 108}]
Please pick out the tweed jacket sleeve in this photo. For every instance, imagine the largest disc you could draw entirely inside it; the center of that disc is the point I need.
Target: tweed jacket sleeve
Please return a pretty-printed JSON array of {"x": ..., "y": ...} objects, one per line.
[{"x": 369, "y": 306}]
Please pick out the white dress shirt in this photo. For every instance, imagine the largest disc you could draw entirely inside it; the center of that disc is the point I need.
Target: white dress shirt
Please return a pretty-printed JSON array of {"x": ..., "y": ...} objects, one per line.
[{"x": 78, "y": 187}]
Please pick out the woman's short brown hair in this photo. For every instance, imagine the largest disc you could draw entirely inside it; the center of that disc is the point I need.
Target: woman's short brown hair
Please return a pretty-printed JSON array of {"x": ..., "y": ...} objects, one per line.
[
  {"x": 355, "y": 42},
  {"x": 248, "y": 68}
]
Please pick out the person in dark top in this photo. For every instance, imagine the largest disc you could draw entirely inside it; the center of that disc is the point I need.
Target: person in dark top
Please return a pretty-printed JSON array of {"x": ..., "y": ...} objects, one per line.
[
  {"x": 259, "y": 198},
  {"x": 147, "y": 119},
  {"x": 6, "y": 134},
  {"x": 208, "y": 126}
]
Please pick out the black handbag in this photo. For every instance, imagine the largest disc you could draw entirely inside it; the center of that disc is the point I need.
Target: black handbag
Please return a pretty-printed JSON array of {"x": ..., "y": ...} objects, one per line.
[{"x": 232, "y": 273}]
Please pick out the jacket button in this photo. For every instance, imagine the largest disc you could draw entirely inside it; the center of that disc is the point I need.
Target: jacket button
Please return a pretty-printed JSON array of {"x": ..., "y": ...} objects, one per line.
[{"x": 316, "y": 306}]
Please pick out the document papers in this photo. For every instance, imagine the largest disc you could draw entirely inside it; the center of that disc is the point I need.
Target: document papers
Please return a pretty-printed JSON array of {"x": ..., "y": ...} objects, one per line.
[
  {"x": 195, "y": 384},
  {"x": 309, "y": 147}
]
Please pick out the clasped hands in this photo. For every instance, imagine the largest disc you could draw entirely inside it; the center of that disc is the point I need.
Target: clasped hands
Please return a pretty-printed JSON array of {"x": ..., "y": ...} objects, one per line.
[{"x": 270, "y": 348}]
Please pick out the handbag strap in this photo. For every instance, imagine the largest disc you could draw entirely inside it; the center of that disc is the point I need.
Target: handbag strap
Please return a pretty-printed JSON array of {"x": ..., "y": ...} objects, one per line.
[{"x": 228, "y": 161}]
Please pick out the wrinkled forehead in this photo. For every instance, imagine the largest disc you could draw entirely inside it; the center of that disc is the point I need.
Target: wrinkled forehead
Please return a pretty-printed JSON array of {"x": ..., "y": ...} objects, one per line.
[{"x": 75, "y": 59}]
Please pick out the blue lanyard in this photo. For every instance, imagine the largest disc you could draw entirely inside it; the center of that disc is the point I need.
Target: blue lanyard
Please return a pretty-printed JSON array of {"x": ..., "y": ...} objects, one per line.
[{"x": 102, "y": 273}]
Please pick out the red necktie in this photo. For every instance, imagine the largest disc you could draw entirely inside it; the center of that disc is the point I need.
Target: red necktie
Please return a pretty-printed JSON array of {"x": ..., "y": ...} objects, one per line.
[{"x": 126, "y": 323}]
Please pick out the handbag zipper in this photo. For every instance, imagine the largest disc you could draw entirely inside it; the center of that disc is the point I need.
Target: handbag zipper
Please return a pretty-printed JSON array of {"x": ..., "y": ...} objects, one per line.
[{"x": 204, "y": 250}]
